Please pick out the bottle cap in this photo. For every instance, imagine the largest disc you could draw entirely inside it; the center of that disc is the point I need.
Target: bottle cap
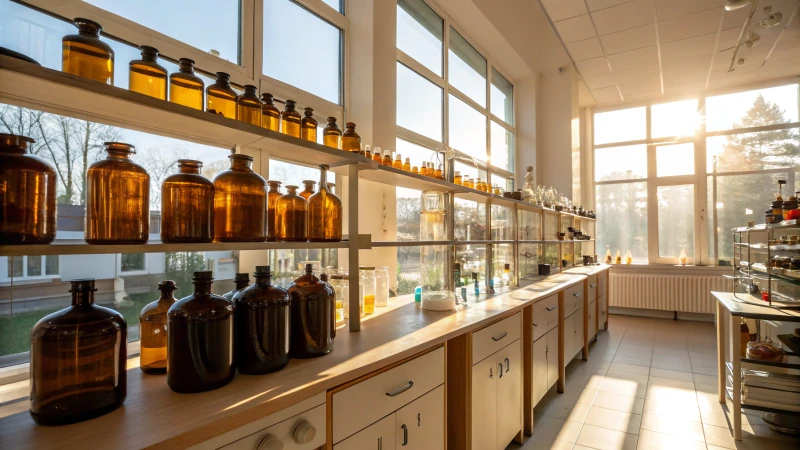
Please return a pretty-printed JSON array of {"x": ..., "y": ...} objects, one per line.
[
  {"x": 332, "y": 119},
  {"x": 82, "y": 285},
  {"x": 267, "y": 97},
  {"x": 309, "y": 268},
  {"x": 203, "y": 276},
  {"x": 242, "y": 277},
  {"x": 309, "y": 111},
  {"x": 261, "y": 271},
  {"x": 350, "y": 125},
  {"x": 167, "y": 285}
]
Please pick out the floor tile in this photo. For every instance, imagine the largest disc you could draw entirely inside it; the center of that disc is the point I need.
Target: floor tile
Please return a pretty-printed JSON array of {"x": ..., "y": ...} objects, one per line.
[
  {"x": 605, "y": 439},
  {"x": 620, "y": 367},
  {"x": 705, "y": 379},
  {"x": 671, "y": 366},
  {"x": 619, "y": 402},
  {"x": 705, "y": 370},
  {"x": 575, "y": 412},
  {"x": 633, "y": 352},
  {"x": 555, "y": 428},
  {"x": 614, "y": 420},
  {"x": 671, "y": 383},
  {"x": 632, "y": 360},
  {"x": 673, "y": 426},
  {"x": 651, "y": 440},
  {"x": 674, "y": 404},
  {"x": 719, "y": 436},
  {"x": 671, "y": 374},
  {"x": 542, "y": 444},
  {"x": 624, "y": 385}
]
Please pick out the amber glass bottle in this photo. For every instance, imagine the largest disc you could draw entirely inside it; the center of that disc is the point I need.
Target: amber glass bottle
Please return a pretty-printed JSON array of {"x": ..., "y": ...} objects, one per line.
[
  {"x": 117, "y": 199},
  {"x": 262, "y": 326},
  {"x": 324, "y": 213},
  {"x": 187, "y": 205},
  {"x": 351, "y": 141},
  {"x": 200, "y": 353},
  {"x": 291, "y": 217},
  {"x": 248, "y": 106},
  {"x": 270, "y": 116},
  {"x": 332, "y": 134},
  {"x": 146, "y": 76},
  {"x": 221, "y": 97},
  {"x": 241, "y": 281},
  {"x": 186, "y": 88},
  {"x": 439, "y": 174},
  {"x": 308, "y": 189},
  {"x": 85, "y": 55},
  {"x": 313, "y": 327},
  {"x": 240, "y": 203},
  {"x": 407, "y": 165},
  {"x": 377, "y": 155},
  {"x": 272, "y": 197},
  {"x": 387, "y": 157},
  {"x": 153, "y": 330},
  {"x": 27, "y": 194},
  {"x": 398, "y": 161},
  {"x": 290, "y": 120},
  {"x": 308, "y": 125},
  {"x": 78, "y": 358}
]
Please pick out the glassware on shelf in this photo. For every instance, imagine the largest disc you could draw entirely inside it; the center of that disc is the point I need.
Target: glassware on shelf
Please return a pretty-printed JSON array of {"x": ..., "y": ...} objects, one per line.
[
  {"x": 415, "y": 169},
  {"x": 529, "y": 187},
  {"x": 240, "y": 281},
  {"x": 290, "y": 119},
  {"x": 332, "y": 134},
  {"x": 682, "y": 258},
  {"x": 407, "y": 165},
  {"x": 291, "y": 217},
  {"x": 249, "y": 107},
  {"x": 117, "y": 199},
  {"x": 628, "y": 258},
  {"x": 339, "y": 281},
  {"x": 351, "y": 141},
  {"x": 439, "y": 173},
  {"x": 153, "y": 330},
  {"x": 85, "y": 55},
  {"x": 457, "y": 178},
  {"x": 240, "y": 203},
  {"x": 608, "y": 255},
  {"x": 398, "y": 162},
  {"x": 471, "y": 183},
  {"x": 324, "y": 213},
  {"x": 270, "y": 116},
  {"x": 387, "y": 158},
  {"x": 367, "y": 287},
  {"x": 78, "y": 359},
  {"x": 187, "y": 205},
  {"x": 313, "y": 328},
  {"x": 377, "y": 155},
  {"x": 308, "y": 125},
  {"x": 28, "y": 194},
  {"x": 221, "y": 97},
  {"x": 366, "y": 151},
  {"x": 308, "y": 189},
  {"x": 186, "y": 88},
  {"x": 272, "y": 196},
  {"x": 147, "y": 76},
  {"x": 618, "y": 258},
  {"x": 382, "y": 286}
]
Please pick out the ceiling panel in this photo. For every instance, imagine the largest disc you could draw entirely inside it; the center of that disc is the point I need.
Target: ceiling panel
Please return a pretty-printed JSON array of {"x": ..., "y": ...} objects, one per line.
[
  {"x": 634, "y": 58},
  {"x": 632, "y": 39},
  {"x": 734, "y": 19},
  {"x": 680, "y": 67},
  {"x": 635, "y": 88},
  {"x": 645, "y": 73},
  {"x": 607, "y": 95},
  {"x": 686, "y": 48},
  {"x": 600, "y": 81},
  {"x": 728, "y": 39},
  {"x": 625, "y": 16},
  {"x": 788, "y": 48},
  {"x": 575, "y": 29},
  {"x": 594, "y": 66},
  {"x": 594, "y": 5},
  {"x": 670, "y": 9},
  {"x": 585, "y": 96},
  {"x": 689, "y": 26},
  {"x": 564, "y": 9},
  {"x": 585, "y": 49}
]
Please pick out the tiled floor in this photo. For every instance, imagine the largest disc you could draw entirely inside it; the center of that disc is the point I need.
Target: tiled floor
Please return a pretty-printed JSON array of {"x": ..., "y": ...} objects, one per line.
[{"x": 649, "y": 384}]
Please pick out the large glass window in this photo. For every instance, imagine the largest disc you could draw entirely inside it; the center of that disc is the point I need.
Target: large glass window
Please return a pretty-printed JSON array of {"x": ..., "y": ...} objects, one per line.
[
  {"x": 502, "y": 95},
  {"x": 467, "y": 129},
  {"x": 752, "y": 108},
  {"x": 466, "y": 68},
  {"x": 620, "y": 163},
  {"x": 502, "y": 146},
  {"x": 419, "y": 33},
  {"x": 620, "y": 126},
  {"x": 622, "y": 219},
  {"x": 419, "y": 104},
  {"x": 675, "y": 221},
  {"x": 677, "y": 159},
  {"x": 674, "y": 119}
]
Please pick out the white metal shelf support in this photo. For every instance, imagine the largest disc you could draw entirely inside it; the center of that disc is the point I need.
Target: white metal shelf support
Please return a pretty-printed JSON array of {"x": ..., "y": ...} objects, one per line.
[{"x": 354, "y": 320}]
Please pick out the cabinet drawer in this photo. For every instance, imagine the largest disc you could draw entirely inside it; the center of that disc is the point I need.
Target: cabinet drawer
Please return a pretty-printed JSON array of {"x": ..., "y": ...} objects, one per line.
[
  {"x": 545, "y": 316},
  {"x": 573, "y": 299},
  {"x": 592, "y": 287},
  {"x": 357, "y": 406},
  {"x": 496, "y": 336},
  {"x": 284, "y": 432}
]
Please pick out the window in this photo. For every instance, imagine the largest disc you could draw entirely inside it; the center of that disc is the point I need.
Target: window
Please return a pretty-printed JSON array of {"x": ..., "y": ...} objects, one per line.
[
  {"x": 675, "y": 221},
  {"x": 677, "y": 159},
  {"x": 502, "y": 147},
  {"x": 502, "y": 95},
  {"x": 674, "y": 119},
  {"x": 622, "y": 219},
  {"x": 466, "y": 68},
  {"x": 467, "y": 129},
  {"x": 620, "y": 163},
  {"x": 132, "y": 262},
  {"x": 419, "y": 104},
  {"x": 608, "y": 126},
  {"x": 32, "y": 266},
  {"x": 419, "y": 33},
  {"x": 752, "y": 108}
]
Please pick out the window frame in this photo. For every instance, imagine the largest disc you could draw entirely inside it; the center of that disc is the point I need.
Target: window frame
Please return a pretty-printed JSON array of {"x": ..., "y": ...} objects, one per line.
[
  {"x": 125, "y": 273},
  {"x": 25, "y": 276}
]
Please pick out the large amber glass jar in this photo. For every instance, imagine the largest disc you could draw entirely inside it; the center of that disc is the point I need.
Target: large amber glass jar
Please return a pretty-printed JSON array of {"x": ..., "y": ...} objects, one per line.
[
  {"x": 324, "y": 213},
  {"x": 241, "y": 281},
  {"x": 248, "y": 106},
  {"x": 270, "y": 116},
  {"x": 27, "y": 194},
  {"x": 308, "y": 189},
  {"x": 332, "y": 134},
  {"x": 313, "y": 316},
  {"x": 187, "y": 205},
  {"x": 186, "y": 88},
  {"x": 308, "y": 126},
  {"x": 290, "y": 120},
  {"x": 78, "y": 358},
  {"x": 200, "y": 353},
  {"x": 146, "y": 76},
  {"x": 240, "y": 203},
  {"x": 262, "y": 326},
  {"x": 221, "y": 97},
  {"x": 117, "y": 199},
  {"x": 153, "y": 330},
  {"x": 351, "y": 141},
  {"x": 272, "y": 197},
  {"x": 85, "y": 55},
  {"x": 291, "y": 217}
]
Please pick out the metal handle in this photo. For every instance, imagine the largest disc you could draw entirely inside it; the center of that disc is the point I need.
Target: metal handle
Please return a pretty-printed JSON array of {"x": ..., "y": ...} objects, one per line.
[
  {"x": 534, "y": 325},
  {"x": 550, "y": 309},
  {"x": 501, "y": 370},
  {"x": 419, "y": 419},
  {"x": 592, "y": 285},
  {"x": 508, "y": 365},
  {"x": 577, "y": 294},
  {"x": 405, "y": 435},
  {"x": 380, "y": 443},
  {"x": 505, "y": 333},
  {"x": 490, "y": 373},
  {"x": 401, "y": 390}
]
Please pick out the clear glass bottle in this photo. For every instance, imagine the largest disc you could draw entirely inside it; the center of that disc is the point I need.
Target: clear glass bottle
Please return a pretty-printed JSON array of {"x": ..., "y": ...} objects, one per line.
[
  {"x": 407, "y": 165},
  {"x": 351, "y": 141},
  {"x": 270, "y": 116},
  {"x": 332, "y": 134},
  {"x": 221, "y": 97},
  {"x": 529, "y": 187},
  {"x": 367, "y": 287},
  {"x": 187, "y": 205},
  {"x": 241, "y": 281},
  {"x": 78, "y": 359},
  {"x": 308, "y": 189},
  {"x": 313, "y": 329},
  {"x": 153, "y": 330},
  {"x": 308, "y": 125},
  {"x": 117, "y": 199},
  {"x": 249, "y": 107},
  {"x": 272, "y": 197},
  {"x": 290, "y": 120},
  {"x": 186, "y": 88},
  {"x": 340, "y": 284},
  {"x": 291, "y": 217},
  {"x": 382, "y": 286},
  {"x": 398, "y": 161},
  {"x": 28, "y": 194},
  {"x": 240, "y": 203},
  {"x": 147, "y": 76},
  {"x": 85, "y": 55},
  {"x": 324, "y": 213}
]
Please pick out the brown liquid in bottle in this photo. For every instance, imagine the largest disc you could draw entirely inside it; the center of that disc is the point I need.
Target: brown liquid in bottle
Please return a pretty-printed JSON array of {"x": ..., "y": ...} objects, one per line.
[
  {"x": 324, "y": 213},
  {"x": 290, "y": 120},
  {"x": 241, "y": 281},
  {"x": 186, "y": 88},
  {"x": 78, "y": 358},
  {"x": 270, "y": 116},
  {"x": 146, "y": 76},
  {"x": 308, "y": 190},
  {"x": 221, "y": 97},
  {"x": 117, "y": 199},
  {"x": 272, "y": 197},
  {"x": 351, "y": 141},
  {"x": 331, "y": 134},
  {"x": 187, "y": 205},
  {"x": 313, "y": 317},
  {"x": 308, "y": 126},
  {"x": 291, "y": 217},
  {"x": 248, "y": 107},
  {"x": 85, "y": 55},
  {"x": 240, "y": 203},
  {"x": 27, "y": 194},
  {"x": 153, "y": 331}
]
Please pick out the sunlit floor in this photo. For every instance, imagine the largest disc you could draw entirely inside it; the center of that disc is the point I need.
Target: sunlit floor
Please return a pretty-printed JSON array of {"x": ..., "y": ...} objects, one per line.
[{"x": 648, "y": 384}]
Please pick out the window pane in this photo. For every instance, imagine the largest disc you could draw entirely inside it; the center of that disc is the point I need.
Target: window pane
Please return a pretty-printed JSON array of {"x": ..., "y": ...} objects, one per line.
[
  {"x": 675, "y": 159},
  {"x": 506, "y": 184},
  {"x": 408, "y": 212},
  {"x": 470, "y": 171},
  {"x": 620, "y": 163},
  {"x": 502, "y": 254},
  {"x": 529, "y": 258},
  {"x": 502, "y": 147},
  {"x": 417, "y": 153},
  {"x": 469, "y": 220},
  {"x": 466, "y": 69},
  {"x": 675, "y": 221},
  {"x": 131, "y": 262},
  {"x": 502, "y": 97},
  {"x": 419, "y": 104},
  {"x": 752, "y": 108},
  {"x": 419, "y": 33},
  {"x": 15, "y": 268},
  {"x": 753, "y": 151},
  {"x": 622, "y": 219},
  {"x": 502, "y": 223},
  {"x": 467, "y": 129},
  {"x": 34, "y": 264},
  {"x": 473, "y": 266},
  {"x": 51, "y": 265},
  {"x": 308, "y": 58},
  {"x": 530, "y": 225},
  {"x": 674, "y": 119},
  {"x": 338, "y": 5},
  {"x": 619, "y": 126},
  {"x": 293, "y": 174}
]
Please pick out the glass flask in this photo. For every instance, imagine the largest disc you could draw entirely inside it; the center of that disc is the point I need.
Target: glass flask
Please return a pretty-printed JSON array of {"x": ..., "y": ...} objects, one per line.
[
  {"x": 117, "y": 199},
  {"x": 147, "y": 76},
  {"x": 351, "y": 141},
  {"x": 270, "y": 116},
  {"x": 241, "y": 281},
  {"x": 187, "y": 205},
  {"x": 221, "y": 97},
  {"x": 262, "y": 326},
  {"x": 332, "y": 188},
  {"x": 324, "y": 213},
  {"x": 85, "y": 55},
  {"x": 200, "y": 353},
  {"x": 249, "y": 107},
  {"x": 78, "y": 359},
  {"x": 240, "y": 203},
  {"x": 377, "y": 155},
  {"x": 186, "y": 88},
  {"x": 28, "y": 194},
  {"x": 308, "y": 189},
  {"x": 382, "y": 286},
  {"x": 367, "y": 287},
  {"x": 308, "y": 125},
  {"x": 332, "y": 134},
  {"x": 291, "y": 217},
  {"x": 439, "y": 173},
  {"x": 290, "y": 120},
  {"x": 153, "y": 330},
  {"x": 313, "y": 327},
  {"x": 272, "y": 197},
  {"x": 340, "y": 284}
]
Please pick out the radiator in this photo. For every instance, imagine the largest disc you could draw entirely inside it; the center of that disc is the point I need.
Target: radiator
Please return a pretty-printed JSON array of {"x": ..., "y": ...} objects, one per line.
[{"x": 680, "y": 293}]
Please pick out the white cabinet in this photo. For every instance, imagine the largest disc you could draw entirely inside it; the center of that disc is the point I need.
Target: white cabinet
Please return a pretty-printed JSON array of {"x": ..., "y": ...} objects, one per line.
[
  {"x": 420, "y": 424},
  {"x": 577, "y": 329},
  {"x": 378, "y": 436},
  {"x": 484, "y": 404},
  {"x": 552, "y": 357},
  {"x": 592, "y": 320},
  {"x": 539, "y": 383},
  {"x": 569, "y": 338},
  {"x": 509, "y": 394}
]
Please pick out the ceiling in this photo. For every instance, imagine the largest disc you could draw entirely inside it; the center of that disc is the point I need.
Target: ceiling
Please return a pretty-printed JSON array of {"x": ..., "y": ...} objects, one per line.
[{"x": 636, "y": 50}]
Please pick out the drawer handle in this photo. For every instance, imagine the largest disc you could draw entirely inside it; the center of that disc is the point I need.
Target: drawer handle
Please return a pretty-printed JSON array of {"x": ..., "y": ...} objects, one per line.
[
  {"x": 401, "y": 390},
  {"x": 577, "y": 294},
  {"x": 508, "y": 365},
  {"x": 405, "y": 435},
  {"x": 592, "y": 285},
  {"x": 550, "y": 309},
  {"x": 505, "y": 333},
  {"x": 380, "y": 443},
  {"x": 490, "y": 373},
  {"x": 534, "y": 325},
  {"x": 500, "y": 375}
]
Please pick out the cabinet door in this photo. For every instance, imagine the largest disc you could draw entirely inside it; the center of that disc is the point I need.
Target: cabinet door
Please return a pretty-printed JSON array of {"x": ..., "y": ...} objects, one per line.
[
  {"x": 420, "y": 424},
  {"x": 577, "y": 327},
  {"x": 378, "y": 436},
  {"x": 509, "y": 394},
  {"x": 484, "y": 404},
  {"x": 592, "y": 320},
  {"x": 602, "y": 304},
  {"x": 540, "y": 385},
  {"x": 569, "y": 338},
  {"x": 552, "y": 357}
]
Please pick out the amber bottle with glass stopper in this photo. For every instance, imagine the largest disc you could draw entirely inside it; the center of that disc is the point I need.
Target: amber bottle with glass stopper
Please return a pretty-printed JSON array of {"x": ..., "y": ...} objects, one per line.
[
  {"x": 240, "y": 203},
  {"x": 324, "y": 213},
  {"x": 187, "y": 205},
  {"x": 351, "y": 141},
  {"x": 28, "y": 194},
  {"x": 272, "y": 197},
  {"x": 85, "y": 55},
  {"x": 290, "y": 119},
  {"x": 153, "y": 330},
  {"x": 248, "y": 106},
  {"x": 291, "y": 217},
  {"x": 313, "y": 328},
  {"x": 147, "y": 76},
  {"x": 117, "y": 199},
  {"x": 221, "y": 97},
  {"x": 270, "y": 116},
  {"x": 241, "y": 281},
  {"x": 308, "y": 189},
  {"x": 308, "y": 125},
  {"x": 186, "y": 88},
  {"x": 78, "y": 358},
  {"x": 332, "y": 134}
]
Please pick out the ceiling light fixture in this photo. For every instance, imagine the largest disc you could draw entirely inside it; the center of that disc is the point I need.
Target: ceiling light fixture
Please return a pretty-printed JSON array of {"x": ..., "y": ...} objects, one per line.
[
  {"x": 732, "y": 5},
  {"x": 772, "y": 20}
]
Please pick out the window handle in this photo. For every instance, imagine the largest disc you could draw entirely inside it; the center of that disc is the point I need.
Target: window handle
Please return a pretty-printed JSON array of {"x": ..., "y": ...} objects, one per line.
[
  {"x": 505, "y": 333},
  {"x": 397, "y": 392},
  {"x": 380, "y": 443},
  {"x": 490, "y": 373}
]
